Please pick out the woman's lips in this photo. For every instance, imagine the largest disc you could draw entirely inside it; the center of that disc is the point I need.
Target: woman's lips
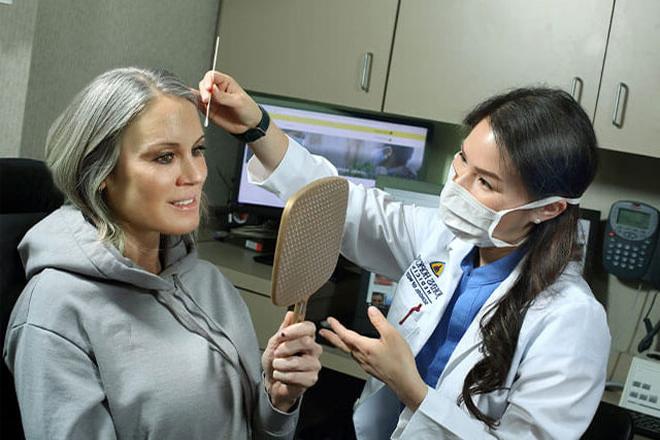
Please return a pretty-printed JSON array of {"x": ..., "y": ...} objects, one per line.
[{"x": 185, "y": 204}]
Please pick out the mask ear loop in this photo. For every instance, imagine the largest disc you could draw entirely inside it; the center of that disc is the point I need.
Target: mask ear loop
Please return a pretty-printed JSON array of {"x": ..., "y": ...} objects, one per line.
[{"x": 536, "y": 204}]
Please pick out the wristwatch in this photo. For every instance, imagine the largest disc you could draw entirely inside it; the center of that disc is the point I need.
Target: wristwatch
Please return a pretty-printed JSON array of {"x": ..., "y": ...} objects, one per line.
[{"x": 257, "y": 132}]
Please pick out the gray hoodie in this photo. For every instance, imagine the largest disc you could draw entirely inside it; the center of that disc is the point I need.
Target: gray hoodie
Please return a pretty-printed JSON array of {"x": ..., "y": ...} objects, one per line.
[{"x": 101, "y": 348}]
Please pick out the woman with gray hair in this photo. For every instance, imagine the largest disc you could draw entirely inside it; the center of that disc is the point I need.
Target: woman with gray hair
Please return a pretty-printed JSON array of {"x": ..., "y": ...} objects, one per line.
[{"x": 121, "y": 331}]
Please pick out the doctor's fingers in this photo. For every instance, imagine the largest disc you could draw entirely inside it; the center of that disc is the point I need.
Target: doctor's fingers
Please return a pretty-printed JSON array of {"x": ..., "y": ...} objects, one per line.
[
  {"x": 222, "y": 97},
  {"x": 335, "y": 340},
  {"x": 304, "y": 344},
  {"x": 352, "y": 339},
  {"x": 222, "y": 81},
  {"x": 379, "y": 321},
  {"x": 297, "y": 363}
]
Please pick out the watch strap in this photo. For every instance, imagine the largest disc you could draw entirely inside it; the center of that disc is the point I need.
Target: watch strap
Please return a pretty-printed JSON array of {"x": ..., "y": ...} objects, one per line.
[{"x": 257, "y": 132}]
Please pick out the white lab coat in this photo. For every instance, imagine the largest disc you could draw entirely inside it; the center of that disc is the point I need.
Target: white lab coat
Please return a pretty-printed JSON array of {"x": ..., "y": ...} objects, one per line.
[{"x": 557, "y": 374}]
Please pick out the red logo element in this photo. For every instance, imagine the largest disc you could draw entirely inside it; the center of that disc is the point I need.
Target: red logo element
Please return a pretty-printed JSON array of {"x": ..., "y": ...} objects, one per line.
[{"x": 417, "y": 308}]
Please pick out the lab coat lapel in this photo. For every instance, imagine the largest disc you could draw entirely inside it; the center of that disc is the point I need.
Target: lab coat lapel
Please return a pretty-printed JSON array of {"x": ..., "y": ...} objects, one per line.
[
  {"x": 447, "y": 283},
  {"x": 472, "y": 337}
]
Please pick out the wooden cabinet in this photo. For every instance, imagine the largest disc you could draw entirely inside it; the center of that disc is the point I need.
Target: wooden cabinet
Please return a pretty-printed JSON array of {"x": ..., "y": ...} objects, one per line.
[
  {"x": 446, "y": 56},
  {"x": 631, "y": 78},
  {"x": 450, "y": 55},
  {"x": 330, "y": 51}
]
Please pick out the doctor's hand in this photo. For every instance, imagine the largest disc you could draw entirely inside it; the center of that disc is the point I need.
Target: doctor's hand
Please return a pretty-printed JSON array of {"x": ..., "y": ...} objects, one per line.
[
  {"x": 389, "y": 358},
  {"x": 291, "y": 362},
  {"x": 236, "y": 112},
  {"x": 231, "y": 107}
]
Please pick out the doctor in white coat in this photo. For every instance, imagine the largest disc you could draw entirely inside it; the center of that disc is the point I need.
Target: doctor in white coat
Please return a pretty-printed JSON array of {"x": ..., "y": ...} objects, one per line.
[{"x": 492, "y": 332}]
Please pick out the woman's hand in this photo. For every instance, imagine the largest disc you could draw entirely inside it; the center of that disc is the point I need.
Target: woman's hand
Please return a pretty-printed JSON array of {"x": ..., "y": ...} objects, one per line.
[
  {"x": 389, "y": 358},
  {"x": 291, "y": 362},
  {"x": 231, "y": 107}
]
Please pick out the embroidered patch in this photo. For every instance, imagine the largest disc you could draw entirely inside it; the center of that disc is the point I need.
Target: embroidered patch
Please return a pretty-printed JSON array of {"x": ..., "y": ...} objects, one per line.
[
  {"x": 422, "y": 282},
  {"x": 437, "y": 267}
]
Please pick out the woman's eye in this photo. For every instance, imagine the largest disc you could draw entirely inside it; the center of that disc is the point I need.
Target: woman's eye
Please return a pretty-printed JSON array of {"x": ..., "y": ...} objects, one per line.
[
  {"x": 460, "y": 153},
  {"x": 199, "y": 150},
  {"x": 165, "y": 158},
  {"x": 485, "y": 183}
]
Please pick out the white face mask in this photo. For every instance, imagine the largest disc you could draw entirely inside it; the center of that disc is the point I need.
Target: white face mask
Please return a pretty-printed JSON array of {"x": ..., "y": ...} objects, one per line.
[{"x": 472, "y": 221}]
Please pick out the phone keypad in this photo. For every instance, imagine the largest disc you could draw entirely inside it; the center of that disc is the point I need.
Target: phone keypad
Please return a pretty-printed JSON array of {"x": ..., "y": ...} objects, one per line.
[{"x": 631, "y": 256}]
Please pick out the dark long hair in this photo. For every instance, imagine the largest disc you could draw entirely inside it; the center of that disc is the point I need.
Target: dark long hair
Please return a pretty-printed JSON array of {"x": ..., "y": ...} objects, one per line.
[{"x": 549, "y": 140}]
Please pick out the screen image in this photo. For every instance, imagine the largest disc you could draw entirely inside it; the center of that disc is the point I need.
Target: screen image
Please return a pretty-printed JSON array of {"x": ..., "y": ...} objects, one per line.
[
  {"x": 633, "y": 219},
  {"x": 381, "y": 292},
  {"x": 360, "y": 148}
]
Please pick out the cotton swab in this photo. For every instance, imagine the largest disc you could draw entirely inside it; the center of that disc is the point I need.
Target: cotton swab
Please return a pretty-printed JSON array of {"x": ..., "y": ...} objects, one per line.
[{"x": 215, "y": 58}]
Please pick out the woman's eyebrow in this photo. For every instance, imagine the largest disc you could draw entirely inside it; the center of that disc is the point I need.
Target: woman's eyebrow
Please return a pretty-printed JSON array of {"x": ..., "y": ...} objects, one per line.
[
  {"x": 480, "y": 170},
  {"x": 170, "y": 144}
]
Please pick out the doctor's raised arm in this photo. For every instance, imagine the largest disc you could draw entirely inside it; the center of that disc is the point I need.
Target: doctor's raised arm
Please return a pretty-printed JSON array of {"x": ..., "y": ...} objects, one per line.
[{"x": 492, "y": 331}]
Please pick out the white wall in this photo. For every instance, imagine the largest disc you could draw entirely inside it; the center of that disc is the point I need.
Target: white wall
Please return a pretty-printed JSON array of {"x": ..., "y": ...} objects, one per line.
[
  {"x": 75, "y": 40},
  {"x": 16, "y": 34}
]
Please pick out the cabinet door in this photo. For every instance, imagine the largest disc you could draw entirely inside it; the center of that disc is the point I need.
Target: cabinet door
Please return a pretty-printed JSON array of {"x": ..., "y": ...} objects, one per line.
[
  {"x": 449, "y": 55},
  {"x": 312, "y": 49},
  {"x": 631, "y": 76}
]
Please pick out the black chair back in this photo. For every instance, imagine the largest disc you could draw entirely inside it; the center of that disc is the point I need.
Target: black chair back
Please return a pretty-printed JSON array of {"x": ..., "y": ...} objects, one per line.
[
  {"x": 610, "y": 422},
  {"x": 27, "y": 194}
]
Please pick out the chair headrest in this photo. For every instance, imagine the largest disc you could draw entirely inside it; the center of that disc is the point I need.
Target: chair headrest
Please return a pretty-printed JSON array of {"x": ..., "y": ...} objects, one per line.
[{"x": 26, "y": 185}]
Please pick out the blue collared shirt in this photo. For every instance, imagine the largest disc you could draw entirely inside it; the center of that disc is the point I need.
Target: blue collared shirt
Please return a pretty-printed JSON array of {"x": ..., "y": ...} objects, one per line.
[{"x": 476, "y": 285}]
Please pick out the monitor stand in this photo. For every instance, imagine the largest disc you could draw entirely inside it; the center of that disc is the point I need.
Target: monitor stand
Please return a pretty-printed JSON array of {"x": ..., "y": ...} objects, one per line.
[{"x": 264, "y": 258}]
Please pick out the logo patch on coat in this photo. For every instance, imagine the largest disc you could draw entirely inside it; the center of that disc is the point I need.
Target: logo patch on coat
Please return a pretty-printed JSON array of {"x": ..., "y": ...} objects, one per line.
[
  {"x": 437, "y": 267},
  {"x": 422, "y": 281}
]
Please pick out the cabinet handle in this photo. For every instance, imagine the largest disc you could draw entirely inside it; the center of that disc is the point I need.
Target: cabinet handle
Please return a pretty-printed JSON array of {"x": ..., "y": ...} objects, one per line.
[
  {"x": 620, "y": 105},
  {"x": 576, "y": 89},
  {"x": 366, "y": 71}
]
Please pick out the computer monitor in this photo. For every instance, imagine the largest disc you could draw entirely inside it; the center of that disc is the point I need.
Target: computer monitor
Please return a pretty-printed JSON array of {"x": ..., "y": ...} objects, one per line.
[{"x": 361, "y": 145}]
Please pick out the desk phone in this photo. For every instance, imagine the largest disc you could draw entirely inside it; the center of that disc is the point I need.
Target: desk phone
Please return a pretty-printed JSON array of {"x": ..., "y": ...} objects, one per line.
[{"x": 630, "y": 248}]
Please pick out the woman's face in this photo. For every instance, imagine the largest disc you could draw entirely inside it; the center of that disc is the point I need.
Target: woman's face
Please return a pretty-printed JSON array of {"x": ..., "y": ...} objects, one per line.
[
  {"x": 156, "y": 185},
  {"x": 483, "y": 169}
]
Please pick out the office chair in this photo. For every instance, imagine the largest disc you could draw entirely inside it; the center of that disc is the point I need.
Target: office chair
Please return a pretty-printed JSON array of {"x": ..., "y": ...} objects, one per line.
[
  {"x": 27, "y": 194},
  {"x": 610, "y": 422}
]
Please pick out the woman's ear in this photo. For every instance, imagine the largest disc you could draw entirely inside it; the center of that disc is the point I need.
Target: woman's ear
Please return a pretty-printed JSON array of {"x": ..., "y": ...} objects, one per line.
[
  {"x": 102, "y": 186},
  {"x": 548, "y": 212}
]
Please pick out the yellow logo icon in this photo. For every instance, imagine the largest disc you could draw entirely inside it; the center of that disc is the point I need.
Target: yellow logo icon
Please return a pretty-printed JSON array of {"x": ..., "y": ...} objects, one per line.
[{"x": 437, "y": 267}]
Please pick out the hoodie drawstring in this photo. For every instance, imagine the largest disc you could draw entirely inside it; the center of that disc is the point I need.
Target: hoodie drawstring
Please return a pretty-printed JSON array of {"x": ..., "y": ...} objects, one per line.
[{"x": 222, "y": 344}]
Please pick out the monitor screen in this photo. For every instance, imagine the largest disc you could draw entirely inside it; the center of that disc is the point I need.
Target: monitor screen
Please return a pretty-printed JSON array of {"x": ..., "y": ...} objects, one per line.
[{"x": 360, "y": 147}]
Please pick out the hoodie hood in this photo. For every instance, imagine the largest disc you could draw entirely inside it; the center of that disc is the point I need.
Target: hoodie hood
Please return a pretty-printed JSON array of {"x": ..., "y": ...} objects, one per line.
[{"x": 66, "y": 241}]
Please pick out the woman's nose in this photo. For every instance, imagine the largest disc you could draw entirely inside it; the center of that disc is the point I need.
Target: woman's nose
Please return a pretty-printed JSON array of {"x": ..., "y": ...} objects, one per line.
[
  {"x": 193, "y": 171},
  {"x": 461, "y": 175}
]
